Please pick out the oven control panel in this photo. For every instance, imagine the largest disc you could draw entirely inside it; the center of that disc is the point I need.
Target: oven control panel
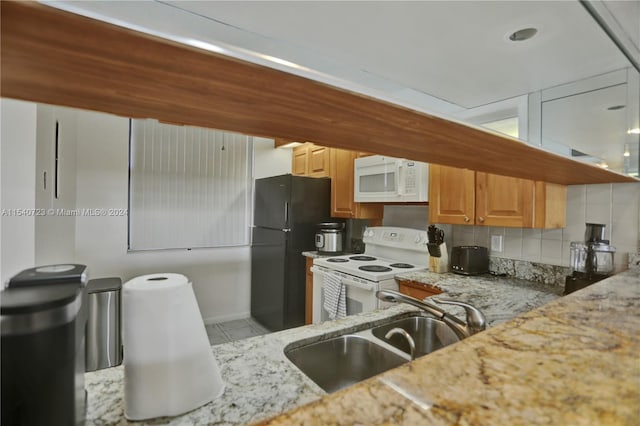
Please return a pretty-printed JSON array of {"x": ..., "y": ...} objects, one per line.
[{"x": 403, "y": 238}]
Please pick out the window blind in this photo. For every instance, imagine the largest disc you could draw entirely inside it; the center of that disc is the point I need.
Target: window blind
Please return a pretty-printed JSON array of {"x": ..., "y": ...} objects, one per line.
[{"x": 189, "y": 187}]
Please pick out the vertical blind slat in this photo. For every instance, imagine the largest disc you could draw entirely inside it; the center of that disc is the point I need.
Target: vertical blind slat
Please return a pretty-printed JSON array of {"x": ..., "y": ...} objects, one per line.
[{"x": 189, "y": 187}]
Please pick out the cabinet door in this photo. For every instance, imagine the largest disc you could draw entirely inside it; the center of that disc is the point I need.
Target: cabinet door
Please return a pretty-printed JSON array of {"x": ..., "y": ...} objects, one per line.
[
  {"x": 504, "y": 201},
  {"x": 451, "y": 195},
  {"x": 308, "y": 298},
  {"x": 318, "y": 161},
  {"x": 342, "y": 204},
  {"x": 300, "y": 161}
]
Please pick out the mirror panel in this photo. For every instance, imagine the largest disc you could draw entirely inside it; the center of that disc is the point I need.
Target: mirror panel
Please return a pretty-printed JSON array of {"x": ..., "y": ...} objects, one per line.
[{"x": 593, "y": 126}]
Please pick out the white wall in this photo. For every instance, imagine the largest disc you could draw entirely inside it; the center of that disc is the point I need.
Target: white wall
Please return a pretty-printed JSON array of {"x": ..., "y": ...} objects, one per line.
[
  {"x": 18, "y": 148},
  {"x": 268, "y": 161},
  {"x": 220, "y": 276},
  {"x": 55, "y": 232},
  {"x": 615, "y": 205}
]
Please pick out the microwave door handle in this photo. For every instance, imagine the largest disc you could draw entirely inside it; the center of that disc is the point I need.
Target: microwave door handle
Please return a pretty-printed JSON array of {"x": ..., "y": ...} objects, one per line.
[{"x": 400, "y": 178}]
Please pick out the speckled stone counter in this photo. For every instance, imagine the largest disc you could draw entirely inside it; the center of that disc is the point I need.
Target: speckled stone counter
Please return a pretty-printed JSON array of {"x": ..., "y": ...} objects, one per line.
[
  {"x": 260, "y": 381},
  {"x": 478, "y": 372},
  {"x": 573, "y": 361},
  {"x": 499, "y": 298}
]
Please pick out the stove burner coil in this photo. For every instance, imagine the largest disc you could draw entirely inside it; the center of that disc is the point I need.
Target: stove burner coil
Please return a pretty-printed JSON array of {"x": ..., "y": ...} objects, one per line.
[
  {"x": 374, "y": 268},
  {"x": 363, "y": 258},
  {"x": 401, "y": 265},
  {"x": 337, "y": 260}
]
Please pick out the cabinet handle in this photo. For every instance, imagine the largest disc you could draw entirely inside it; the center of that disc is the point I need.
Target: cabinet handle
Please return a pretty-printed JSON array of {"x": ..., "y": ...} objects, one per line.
[
  {"x": 466, "y": 219},
  {"x": 480, "y": 219}
]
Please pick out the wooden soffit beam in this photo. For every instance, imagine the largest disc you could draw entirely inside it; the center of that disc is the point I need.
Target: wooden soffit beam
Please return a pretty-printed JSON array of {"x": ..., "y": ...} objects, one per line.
[{"x": 56, "y": 57}]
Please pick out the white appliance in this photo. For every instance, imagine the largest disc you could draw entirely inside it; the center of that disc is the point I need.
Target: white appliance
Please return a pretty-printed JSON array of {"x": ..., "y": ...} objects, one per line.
[
  {"x": 388, "y": 251},
  {"x": 387, "y": 179}
]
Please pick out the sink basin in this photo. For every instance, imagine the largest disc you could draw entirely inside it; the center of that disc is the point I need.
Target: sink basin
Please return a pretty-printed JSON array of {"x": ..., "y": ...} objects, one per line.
[
  {"x": 429, "y": 334},
  {"x": 341, "y": 361}
]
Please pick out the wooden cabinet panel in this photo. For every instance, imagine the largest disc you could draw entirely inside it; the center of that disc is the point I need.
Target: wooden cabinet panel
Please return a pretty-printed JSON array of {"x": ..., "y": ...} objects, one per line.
[
  {"x": 308, "y": 298},
  {"x": 342, "y": 204},
  {"x": 504, "y": 201},
  {"x": 300, "y": 161},
  {"x": 310, "y": 160},
  {"x": 318, "y": 161},
  {"x": 451, "y": 195},
  {"x": 465, "y": 197},
  {"x": 551, "y": 205}
]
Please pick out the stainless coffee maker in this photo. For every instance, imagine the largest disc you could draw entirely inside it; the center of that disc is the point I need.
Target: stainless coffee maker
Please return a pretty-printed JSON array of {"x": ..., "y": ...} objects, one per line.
[{"x": 591, "y": 260}]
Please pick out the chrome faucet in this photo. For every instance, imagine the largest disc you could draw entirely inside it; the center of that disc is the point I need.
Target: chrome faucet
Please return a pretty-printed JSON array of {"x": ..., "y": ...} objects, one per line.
[
  {"x": 475, "y": 319},
  {"x": 403, "y": 333}
]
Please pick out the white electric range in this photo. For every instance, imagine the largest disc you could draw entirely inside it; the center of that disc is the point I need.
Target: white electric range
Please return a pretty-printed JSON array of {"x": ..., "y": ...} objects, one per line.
[{"x": 388, "y": 251}]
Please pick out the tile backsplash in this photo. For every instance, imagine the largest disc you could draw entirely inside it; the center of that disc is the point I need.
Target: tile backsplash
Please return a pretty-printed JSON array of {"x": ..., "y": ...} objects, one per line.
[{"x": 615, "y": 205}]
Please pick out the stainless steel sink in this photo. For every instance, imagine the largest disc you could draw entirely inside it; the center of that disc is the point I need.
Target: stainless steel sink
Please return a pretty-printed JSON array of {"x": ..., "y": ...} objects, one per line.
[
  {"x": 341, "y": 361},
  {"x": 429, "y": 334}
]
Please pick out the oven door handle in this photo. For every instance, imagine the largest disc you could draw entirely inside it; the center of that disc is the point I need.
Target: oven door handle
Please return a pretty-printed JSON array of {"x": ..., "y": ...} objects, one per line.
[{"x": 345, "y": 281}]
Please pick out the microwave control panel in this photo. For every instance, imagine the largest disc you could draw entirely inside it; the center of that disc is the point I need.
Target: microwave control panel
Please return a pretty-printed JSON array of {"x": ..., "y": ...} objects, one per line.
[{"x": 410, "y": 178}]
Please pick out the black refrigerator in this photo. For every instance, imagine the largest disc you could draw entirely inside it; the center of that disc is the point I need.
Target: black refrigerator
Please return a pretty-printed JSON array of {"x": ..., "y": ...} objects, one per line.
[{"x": 287, "y": 210}]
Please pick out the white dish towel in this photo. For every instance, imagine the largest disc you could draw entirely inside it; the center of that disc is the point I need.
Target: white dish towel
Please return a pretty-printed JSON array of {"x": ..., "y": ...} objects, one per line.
[{"x": 335, "y": 298}]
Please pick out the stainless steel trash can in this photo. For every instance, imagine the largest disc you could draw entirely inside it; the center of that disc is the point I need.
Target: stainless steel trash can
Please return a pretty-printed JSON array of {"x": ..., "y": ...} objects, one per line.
[{"x": 104, "y": 342}]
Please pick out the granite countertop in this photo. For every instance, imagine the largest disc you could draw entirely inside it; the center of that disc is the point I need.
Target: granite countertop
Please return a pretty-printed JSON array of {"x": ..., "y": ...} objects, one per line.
[
  {"x": 572, "y": 361},
  {"x": 569, "y": 343},
  {"x": 499, "y": 298},
  {"x": 260, "y": 381},
  {"x": 316, "y": 254}
]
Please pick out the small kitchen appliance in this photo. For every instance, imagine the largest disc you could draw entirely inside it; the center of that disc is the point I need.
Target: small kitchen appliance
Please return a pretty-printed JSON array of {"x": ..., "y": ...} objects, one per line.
[
  {"x": 469, "y": 260},
  {"x": 590, "y": 260},
  {"x": 329, "y": 238},
  {"x": 378, "y": 178},
  {"x": 388, "y": 251},
  {"x": 43, "y": 318}
]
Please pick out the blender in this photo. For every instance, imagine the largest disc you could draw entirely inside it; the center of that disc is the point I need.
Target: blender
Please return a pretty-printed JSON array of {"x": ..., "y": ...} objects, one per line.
[{"x": 591, "y": 260}]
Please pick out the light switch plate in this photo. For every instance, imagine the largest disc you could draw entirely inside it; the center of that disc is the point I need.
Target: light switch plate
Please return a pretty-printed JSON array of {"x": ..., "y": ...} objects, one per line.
[{"x": 496, "y": 243}]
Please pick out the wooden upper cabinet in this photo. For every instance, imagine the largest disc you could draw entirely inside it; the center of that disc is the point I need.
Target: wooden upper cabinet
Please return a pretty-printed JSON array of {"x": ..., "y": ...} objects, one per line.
[
  {"x": 460, "y": 196},
  {"x": 310, "y": 160},
  {"x": 451, "y": 195},
  {"x": 319, "y": 161},
  {"x": 504, "y": 201},
  {"x": 342, "y": 204},
  {"x": 300, "y": 165},
  {"x": 318, "y": 165}
]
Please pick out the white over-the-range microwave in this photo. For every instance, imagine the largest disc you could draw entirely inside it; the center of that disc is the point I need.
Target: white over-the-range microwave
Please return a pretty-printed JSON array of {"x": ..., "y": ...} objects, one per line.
[{"x": 380, "y": 178}]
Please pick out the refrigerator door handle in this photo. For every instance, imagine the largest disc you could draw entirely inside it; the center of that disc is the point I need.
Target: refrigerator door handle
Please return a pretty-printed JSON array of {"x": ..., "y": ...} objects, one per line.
[{"x": 286, "y": 213}]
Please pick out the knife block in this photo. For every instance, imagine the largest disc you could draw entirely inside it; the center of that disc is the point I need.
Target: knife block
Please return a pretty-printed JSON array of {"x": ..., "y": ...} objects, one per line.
[{"x": 440, "y": 265}]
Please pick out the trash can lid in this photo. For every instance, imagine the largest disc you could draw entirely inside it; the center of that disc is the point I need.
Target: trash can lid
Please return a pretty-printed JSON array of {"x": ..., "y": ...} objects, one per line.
[{"x": 100, "y": 285}]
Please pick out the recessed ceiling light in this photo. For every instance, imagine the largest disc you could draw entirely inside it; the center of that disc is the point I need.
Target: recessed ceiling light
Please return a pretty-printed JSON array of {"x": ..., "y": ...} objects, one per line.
[
  {"x": 523, "y": 34},
  {"x": 615, "y": 107}
]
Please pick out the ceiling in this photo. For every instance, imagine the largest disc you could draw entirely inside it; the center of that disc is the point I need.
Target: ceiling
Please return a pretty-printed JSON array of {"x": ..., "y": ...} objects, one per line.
[
  {"x": 453, "y": 51},
  {"x": 442, "y": 48}
]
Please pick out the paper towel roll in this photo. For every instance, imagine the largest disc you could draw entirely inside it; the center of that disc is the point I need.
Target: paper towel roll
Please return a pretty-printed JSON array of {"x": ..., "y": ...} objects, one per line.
[{"x": 169, "y": 368}]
